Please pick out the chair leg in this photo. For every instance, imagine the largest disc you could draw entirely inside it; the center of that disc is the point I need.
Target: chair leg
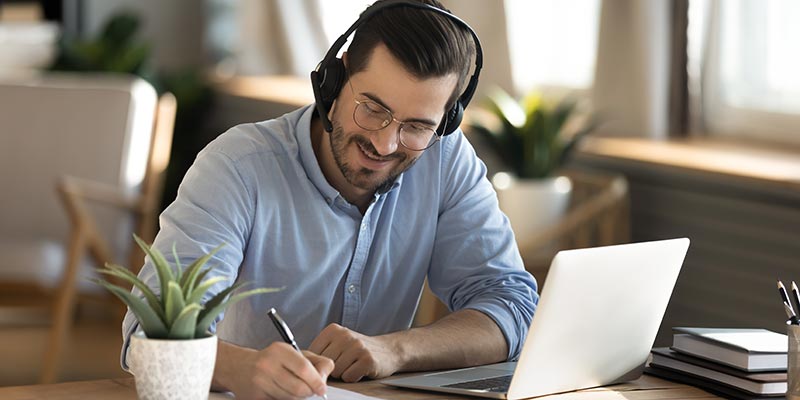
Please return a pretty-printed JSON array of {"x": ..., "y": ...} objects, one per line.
[{"x": 63, "y": 310}]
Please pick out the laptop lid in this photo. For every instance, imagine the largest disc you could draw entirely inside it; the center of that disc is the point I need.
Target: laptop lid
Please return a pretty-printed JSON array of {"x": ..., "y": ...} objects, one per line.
[{"x": 595, "y": 323}]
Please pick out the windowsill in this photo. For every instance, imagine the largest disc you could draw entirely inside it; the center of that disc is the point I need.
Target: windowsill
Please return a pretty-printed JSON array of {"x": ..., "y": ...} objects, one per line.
[
  {"x": 732, "y": 158},
  {"x": 280, "y": 89}
]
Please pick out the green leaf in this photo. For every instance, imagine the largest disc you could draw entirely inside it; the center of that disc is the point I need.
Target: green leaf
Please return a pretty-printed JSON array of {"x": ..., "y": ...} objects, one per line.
[
  {"x": 178, "y": 265},
  {"x": 214, "y": 308},
  {"x": 161, "y": 265},
  {"x": 219, "y": 298},
  {"x": 507, "y": 108},
  {"x": 189, "y": 278},
  {"x": 185, "y": 323},
  {"x": 197, "y": 294},
  {"x": 174, "y": 303},
  {"x": 125, "y": 274},
  {"x": 151, "y": 324}
]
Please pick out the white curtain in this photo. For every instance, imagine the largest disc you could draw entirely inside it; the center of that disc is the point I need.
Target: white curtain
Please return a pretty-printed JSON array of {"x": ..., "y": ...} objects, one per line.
[
  {"x": 631, "y": 86},
  {"x": 278, "y": 37}
]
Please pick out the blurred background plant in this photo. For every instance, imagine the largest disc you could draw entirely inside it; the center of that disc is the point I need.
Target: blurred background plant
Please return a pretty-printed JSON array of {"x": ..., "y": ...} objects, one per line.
[
  {"x": 118, "y": 49},
  {"x": 532, "y": 137}
]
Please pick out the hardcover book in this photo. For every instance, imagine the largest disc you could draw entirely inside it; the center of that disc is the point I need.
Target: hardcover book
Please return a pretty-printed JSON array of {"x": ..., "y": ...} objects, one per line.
[
  {"x": 751, "y": 350},
  {"x": 718, "y": 389},
  {"x": 760, "y": 383}
]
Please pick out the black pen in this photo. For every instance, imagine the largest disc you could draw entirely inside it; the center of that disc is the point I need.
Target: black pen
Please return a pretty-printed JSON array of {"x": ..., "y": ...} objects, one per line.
[
  {"x": 796, "y": 296},
  {"x": 285, "y": 332},
  {"x": 785, "y": 297},
  {"x": 283, "y": 329},
  {"x": 792, "y": 318}
]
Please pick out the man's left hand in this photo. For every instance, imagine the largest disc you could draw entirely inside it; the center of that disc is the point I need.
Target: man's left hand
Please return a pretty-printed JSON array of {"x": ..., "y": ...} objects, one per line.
[{"x": 355, "y": 355}]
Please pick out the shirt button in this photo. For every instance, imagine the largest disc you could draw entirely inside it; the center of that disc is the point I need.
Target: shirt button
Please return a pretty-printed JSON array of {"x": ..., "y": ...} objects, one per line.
[
  {"x": 363, "y": 227},
  {"x": 351, "y": 288}
]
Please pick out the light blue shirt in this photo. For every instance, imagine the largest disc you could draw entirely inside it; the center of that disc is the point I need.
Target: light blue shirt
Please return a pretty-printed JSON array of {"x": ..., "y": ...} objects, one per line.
[{"x": 259, "y": 188}]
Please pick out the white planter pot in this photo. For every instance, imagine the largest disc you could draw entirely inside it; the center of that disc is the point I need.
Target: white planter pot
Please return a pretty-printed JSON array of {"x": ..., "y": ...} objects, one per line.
[
  {"x": 172, "y": 369},
  {"x": 532, "y": 205}
]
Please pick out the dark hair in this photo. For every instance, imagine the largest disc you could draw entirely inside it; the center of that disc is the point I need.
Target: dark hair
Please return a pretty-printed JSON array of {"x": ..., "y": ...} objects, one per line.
[{"x": 428, "y": 44}]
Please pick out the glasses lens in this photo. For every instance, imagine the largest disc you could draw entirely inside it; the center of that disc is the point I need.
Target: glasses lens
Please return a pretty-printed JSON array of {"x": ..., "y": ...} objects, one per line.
[
  {"x": 416, "y": 137},
  {"x": 371, "y": 116}
]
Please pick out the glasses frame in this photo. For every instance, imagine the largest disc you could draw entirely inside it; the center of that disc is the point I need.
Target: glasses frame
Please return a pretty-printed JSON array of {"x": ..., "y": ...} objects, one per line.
[{"x": 434, "y": 139}]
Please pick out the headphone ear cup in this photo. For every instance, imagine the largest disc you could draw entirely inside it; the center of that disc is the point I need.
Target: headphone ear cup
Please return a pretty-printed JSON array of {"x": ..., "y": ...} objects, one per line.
[
  {"x": 453, "y": 121},
  {"x": 333, "y": 78}
]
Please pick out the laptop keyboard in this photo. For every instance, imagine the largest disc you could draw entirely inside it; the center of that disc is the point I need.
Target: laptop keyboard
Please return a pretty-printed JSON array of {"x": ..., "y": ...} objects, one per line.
[{"x": 497, "y": 384}]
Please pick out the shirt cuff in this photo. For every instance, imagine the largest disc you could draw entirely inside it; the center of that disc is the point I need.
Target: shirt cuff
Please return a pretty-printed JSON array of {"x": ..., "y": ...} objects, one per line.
[{"x": 512, "y": 322}]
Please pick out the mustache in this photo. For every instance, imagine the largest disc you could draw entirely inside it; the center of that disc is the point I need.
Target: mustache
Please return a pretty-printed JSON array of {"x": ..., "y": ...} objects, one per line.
[{"x": 367, "y": 146}]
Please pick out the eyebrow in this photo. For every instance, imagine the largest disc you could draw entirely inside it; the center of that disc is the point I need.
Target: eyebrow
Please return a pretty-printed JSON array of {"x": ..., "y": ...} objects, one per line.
[{"x": 375, "y": 98}]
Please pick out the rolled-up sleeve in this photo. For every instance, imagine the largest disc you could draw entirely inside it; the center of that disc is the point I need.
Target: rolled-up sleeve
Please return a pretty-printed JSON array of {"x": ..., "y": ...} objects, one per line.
[
  {"x": 476, "y": 263},
  {"x": 211, "y": 209}
]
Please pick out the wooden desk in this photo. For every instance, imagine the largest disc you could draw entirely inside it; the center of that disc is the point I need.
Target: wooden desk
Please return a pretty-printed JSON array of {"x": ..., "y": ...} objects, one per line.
[{"x": 645, "y": 388}]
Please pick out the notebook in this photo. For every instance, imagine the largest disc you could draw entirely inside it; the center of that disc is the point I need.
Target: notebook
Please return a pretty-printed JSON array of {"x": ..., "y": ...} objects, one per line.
[{"x": 596, "y": 321}]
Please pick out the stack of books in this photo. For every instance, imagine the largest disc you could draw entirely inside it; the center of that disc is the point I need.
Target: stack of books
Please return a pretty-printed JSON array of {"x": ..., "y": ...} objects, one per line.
[{"x": 733, "y": 363}]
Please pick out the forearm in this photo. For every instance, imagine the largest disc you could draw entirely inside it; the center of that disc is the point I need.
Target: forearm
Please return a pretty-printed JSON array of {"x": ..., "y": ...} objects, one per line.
[
  {"x": 228, "y": 365},
  {"x": 461, "y": 339}
]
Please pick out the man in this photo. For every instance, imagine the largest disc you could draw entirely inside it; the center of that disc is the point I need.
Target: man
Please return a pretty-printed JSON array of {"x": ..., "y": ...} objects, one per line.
[{"x": 351, "y": 223}]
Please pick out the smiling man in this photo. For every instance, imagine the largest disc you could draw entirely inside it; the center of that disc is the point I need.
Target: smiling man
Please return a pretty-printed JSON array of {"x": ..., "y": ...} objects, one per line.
[{"x": 350, "y": 204}]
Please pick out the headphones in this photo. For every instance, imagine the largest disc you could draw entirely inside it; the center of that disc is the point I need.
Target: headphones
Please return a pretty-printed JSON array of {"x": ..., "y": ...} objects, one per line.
[{"x": 329, "y": 77}]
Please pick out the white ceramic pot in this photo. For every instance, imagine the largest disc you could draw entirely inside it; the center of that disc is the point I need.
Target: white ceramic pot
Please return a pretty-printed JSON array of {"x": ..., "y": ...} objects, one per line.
[
  {"x": 532, "y": 205},
  {"x": 172, "y": 369}
]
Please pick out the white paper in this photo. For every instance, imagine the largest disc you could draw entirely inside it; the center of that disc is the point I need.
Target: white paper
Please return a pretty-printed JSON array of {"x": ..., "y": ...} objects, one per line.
[{"x": 333, "y": 393}]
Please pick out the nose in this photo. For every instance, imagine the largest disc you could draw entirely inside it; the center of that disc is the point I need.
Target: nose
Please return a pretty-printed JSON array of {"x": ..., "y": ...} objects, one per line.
[{"x": 385, "y": 140}]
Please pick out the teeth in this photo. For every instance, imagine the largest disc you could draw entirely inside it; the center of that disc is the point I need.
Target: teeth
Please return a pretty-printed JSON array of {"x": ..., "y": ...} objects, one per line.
[{"x": 368, "y": 154}]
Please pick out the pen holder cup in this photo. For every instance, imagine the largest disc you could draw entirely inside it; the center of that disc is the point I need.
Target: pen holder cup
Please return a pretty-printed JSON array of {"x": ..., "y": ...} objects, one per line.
[{"x": 793, "y": 363}]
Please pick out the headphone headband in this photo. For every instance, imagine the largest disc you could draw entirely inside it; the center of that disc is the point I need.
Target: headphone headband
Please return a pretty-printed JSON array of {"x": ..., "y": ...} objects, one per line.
[{"x": 329, "y": 77}]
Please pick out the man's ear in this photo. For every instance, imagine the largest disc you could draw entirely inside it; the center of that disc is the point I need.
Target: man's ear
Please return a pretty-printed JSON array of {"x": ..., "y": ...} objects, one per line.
[{"x": 344, "y": 59}]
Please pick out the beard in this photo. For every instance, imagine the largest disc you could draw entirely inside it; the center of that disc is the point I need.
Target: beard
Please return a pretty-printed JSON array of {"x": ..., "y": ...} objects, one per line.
[{"x": 364, "y": 178}]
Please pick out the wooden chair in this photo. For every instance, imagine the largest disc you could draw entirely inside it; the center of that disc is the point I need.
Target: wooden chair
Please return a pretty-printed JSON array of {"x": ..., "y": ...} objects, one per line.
[
  {"x": 109, "y": 184},
  {"x": 598, "y": 215}
]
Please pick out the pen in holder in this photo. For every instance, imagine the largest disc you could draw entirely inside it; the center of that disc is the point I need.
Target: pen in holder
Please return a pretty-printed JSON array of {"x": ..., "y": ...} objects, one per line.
[{"x": 793, "y": 363}]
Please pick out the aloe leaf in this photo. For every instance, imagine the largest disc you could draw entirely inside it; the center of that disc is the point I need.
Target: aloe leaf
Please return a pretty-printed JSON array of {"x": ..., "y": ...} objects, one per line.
[
  {"x": 210, "y": 313},
  {"x": 189, "y": 278},
  {"x": 219, "y": 298},
  {"x": 204, "y": 273},
  {"x": 152, "y": 325},
  {"x": 201, "y": 289},
  {"x": 125, "y": 274},
  {"x": 174, "y": 303},
  {"x": 184, "y": 325},
  {"x": 508, "y": 108},
  {"x": 178, "y": 265},
  {"x": 162, "y": 266}
]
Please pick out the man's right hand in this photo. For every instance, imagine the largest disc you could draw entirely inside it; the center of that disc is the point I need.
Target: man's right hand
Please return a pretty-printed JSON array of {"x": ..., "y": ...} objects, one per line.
[{"x": 275, "y": 372}]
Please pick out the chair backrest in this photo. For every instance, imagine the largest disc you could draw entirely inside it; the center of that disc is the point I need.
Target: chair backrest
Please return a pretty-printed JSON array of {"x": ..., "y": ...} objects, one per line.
[{"x": 97, "y": 127}]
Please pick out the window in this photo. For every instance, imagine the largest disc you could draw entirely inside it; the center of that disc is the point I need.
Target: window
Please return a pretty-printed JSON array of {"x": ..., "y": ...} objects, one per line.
[
  {"x": 744, "y": 64},
  {"x": 553, "y": 44},
  {"x": 338, "y": 15}
]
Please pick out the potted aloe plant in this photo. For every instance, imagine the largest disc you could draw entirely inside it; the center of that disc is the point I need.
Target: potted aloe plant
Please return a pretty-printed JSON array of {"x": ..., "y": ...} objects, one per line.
[
  {"x": 534, "y": 139},
  {"x": 173, "y": 355}
]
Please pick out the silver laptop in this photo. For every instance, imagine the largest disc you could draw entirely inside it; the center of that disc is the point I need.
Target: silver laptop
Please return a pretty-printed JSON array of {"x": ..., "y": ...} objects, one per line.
[{"x": 595, "y": 323}]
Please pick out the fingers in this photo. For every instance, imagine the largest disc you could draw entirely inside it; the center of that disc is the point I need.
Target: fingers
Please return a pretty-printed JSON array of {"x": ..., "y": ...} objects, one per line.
[
  {"x": 289, "y": 373},
  {"x": 325, "y": 338},
  {"x": 357, "y": 371},
  {"x": 324, "y": 365}
]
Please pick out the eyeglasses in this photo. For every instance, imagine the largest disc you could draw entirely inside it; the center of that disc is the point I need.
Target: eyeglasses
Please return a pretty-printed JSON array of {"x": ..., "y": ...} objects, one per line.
[{"x": 372, "y": 116}]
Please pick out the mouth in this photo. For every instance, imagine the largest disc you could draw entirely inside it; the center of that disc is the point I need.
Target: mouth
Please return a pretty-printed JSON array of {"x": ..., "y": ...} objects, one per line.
[
  {"x": 370, "y": 160},
  {"x": 371, "y": 155}
]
